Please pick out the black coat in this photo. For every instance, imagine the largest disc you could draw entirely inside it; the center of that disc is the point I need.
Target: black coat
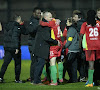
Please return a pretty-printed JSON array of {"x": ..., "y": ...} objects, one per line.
[
  {"x": 12, "y": 34},
  {"x": 32, "y": 29},
  {"x": 42, "y": 42}
]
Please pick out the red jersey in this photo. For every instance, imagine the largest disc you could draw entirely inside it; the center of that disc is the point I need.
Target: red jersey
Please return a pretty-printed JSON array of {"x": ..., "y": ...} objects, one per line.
[
  {"x": 55, "y": 29},
  {"x": 55, "y": 51},
  {"x": 65, "y": 35},
  {"x": 92, "y": 35}
]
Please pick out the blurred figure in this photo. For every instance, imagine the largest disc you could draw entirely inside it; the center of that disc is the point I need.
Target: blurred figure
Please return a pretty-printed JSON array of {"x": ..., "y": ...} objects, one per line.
[
  {"x": 0, "y": 27},
  {"x": 41, "y": 50},
  {"x": 31, "y": 30},
  {"x": 96, "y": 76},
  {"x": 12, "y": 34},
  {"x": 78, "y": 20},
  {"x": 55, "y": 51},
  {"x": 98, "y": 14},
  {"x": 72, "y": 43}
]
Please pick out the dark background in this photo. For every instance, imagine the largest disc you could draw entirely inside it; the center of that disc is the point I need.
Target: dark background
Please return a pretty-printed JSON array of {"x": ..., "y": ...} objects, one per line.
[{"x": 62, "y": 8}]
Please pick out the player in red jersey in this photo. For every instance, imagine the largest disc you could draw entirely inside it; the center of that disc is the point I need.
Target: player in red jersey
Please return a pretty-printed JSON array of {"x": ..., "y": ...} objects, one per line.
[
  {"x": 91, "y": 28},
  {"x": 55, "y": 51},
  {"x": 96, "y": 75}
]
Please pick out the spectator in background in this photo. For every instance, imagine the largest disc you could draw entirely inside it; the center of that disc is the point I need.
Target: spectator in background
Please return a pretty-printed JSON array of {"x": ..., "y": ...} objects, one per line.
[{"x": 12, "y": 34}]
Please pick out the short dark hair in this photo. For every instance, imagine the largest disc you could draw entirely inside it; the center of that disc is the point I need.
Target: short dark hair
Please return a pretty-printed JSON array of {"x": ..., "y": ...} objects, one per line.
[
  {"x": 79, "y": 14},
  {"x": 36, "y": 8},
  {"x": 15, "y": 17},
  {"x": 70, "y": 19}
]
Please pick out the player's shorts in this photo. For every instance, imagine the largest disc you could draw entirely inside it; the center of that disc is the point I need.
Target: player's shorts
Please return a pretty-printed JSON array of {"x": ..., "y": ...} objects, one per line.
[
  {"x": 55, "y": 51},
  {"x": 92, "y": 55}
]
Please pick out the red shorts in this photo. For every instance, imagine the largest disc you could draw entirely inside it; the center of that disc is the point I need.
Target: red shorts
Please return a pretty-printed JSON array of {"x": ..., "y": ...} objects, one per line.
[
  {"x": 92, "y": 55},
  {"x": 55, "y": 51}
]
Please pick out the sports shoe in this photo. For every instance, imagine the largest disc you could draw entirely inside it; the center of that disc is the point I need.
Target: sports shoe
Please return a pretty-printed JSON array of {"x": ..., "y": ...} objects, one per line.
[
  {"x": 29, "y": 79},
  {"x": 1, "y": 80},
  {"x": 46, "y": 82},
  {"x": 89, "y": 85},
  {"x": 19, "y": 81},
  {"x": 87, "y": 82},
  {"x": 61, "y": 80},
  {"x": 38, "y": 84},
  {"x": 54, "y": 84},
  {"x": 44, "y": 79}
]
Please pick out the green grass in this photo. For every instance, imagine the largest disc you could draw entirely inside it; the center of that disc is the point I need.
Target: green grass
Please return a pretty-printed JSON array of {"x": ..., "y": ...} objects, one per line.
[{"x": 10, "y": 85}]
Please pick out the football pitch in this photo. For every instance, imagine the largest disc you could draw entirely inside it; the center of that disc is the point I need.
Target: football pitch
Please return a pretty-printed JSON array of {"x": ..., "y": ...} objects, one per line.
[{"x": 25, "y": 73}]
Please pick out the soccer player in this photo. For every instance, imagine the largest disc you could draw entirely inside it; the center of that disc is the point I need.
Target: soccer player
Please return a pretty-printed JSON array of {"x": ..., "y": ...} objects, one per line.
[
  {"x": 91, "y": 29},
  {"x": 96, "y": 75},
  {"x": 55, "y": 51},
  {"x": 41, "y": 49}
]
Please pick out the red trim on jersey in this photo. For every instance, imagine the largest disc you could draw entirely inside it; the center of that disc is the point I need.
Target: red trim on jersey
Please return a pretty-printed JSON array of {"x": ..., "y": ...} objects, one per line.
[{"x": 49, "y": 24}]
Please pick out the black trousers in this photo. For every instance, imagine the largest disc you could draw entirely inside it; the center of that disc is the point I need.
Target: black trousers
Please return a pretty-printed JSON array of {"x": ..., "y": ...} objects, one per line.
[
  {"x": 81, "y": 64},
  {"x": 39, "y": 64},
  {"x": 70, "y": 65},
  {"x": 96, "y": 71},
  {"x": 32, "y": 66},
  {"x": 9, "y": 54}
]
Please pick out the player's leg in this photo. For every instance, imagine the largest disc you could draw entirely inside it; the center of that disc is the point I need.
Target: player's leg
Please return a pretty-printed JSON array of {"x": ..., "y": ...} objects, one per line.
[
  {"x": 7, "y": 60},
  {"x": 60, "y": 70},
  {"x": 53, "y": 69},
  {"x": 17, "y": 59},
  {"x": 90, "y": 57}
]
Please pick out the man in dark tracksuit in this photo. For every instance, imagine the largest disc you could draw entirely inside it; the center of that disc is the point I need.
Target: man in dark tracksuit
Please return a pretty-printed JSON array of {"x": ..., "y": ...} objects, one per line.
[
  {"x": 12, "y": 35},
  {"x": 41, "y": 50},
  {"x": 31, "y": 30},
  {"x": 78, "y": 19},
  {"x": 73, "y": 49}
]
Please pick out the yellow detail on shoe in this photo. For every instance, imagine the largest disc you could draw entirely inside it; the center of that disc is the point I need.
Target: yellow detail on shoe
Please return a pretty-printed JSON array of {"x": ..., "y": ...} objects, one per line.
[{"x": 89, "y": 85}]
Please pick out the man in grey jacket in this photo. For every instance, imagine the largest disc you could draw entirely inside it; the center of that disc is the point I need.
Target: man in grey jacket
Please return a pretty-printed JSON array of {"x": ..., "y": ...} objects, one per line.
[{"x": 72, "y": 44}]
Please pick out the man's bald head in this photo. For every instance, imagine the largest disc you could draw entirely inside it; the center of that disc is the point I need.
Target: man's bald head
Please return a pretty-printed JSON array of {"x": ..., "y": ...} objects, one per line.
[{"x": 47, "y": 16}]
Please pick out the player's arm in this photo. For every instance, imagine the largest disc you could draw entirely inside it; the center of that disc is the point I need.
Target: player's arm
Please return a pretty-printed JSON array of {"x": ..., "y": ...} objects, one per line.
[
  {"x": 49, "y": 24},
  {"x": 0, "y": 27},
  {"x": 82, "y": 32}
]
